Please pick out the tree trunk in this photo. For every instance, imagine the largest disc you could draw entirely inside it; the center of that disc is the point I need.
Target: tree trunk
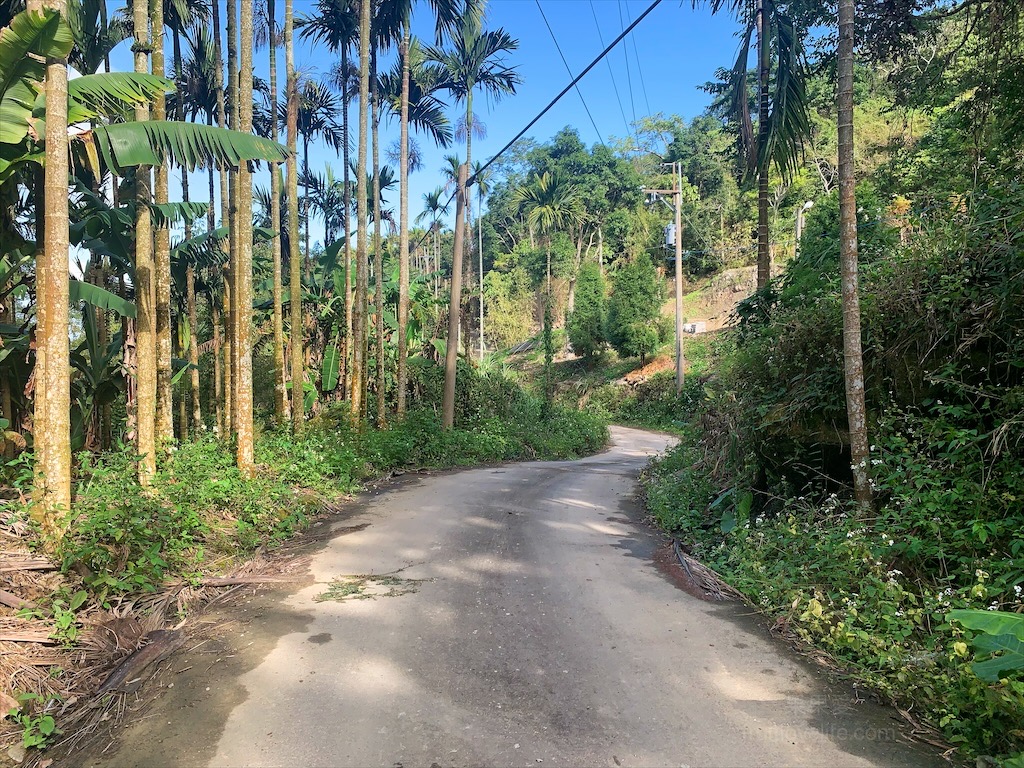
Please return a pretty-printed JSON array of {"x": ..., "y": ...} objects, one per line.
[
  {"x": 292, "y": 191},
  {"x": 347, "y": 204},
  {"x": 452, "y": 352},
  {"x": 232, "y": 275},
  {"x": 359, "y": 309},
  {"x": 307, "y": 258},
  {"x": 243, "y": 277},
  {"x": 378, "y": 256},
  {"x": 226, "y": 426},
  {"x": 218, "y": 383},
  {"x": 193, "y": 340},
  {"x": 467, "y": 263},
  {"x": 280, "y": 393},
  {"x": 190, "y": 278},
  {"x": 852, "y": 354},
  {"x": 162, "y": 244},
  {"x": 145, "y": 289},
  {"x": 53, "y": 371},
  {"x": 764, "y": 256},
  {"x": 177, "y": 350},
  {"x": 480, "y": 256},
  {"x": 218, "y": 378},
  {"x": 403, "y": 234}
]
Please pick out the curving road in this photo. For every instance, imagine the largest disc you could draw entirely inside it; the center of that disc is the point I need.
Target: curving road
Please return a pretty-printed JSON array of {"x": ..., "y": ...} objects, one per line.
[{"x": 522, "y": 623}]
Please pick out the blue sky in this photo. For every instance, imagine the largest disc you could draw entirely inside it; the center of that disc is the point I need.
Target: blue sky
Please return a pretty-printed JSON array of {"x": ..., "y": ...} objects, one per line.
[{"x": 657, "y": 68}]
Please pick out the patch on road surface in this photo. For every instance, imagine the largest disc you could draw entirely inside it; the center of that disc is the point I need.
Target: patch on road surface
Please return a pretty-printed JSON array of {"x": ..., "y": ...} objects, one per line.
[{"x": 368, "y": 587}]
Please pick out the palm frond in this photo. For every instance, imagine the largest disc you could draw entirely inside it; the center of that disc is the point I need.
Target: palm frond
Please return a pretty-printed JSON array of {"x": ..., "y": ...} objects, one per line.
[
  {"x": 110, "y": 93},
  {"x": 789, "y": 122}
]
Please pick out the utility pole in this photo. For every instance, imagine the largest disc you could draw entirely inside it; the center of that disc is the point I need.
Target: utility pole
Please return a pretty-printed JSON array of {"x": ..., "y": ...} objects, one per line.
[
  {"x": 801, "y": 212},
  {"x": 677, "y": 199}
]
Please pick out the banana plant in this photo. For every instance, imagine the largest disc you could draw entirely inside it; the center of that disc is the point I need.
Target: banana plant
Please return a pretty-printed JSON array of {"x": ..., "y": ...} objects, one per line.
[
  {"x": 98, "y": 381},
  {"x": 24, "y": 46}
]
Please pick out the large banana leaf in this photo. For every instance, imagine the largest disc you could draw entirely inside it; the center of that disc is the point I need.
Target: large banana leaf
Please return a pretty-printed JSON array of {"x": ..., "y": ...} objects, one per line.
[
  {"x": 23, "y": 47},
  {"x": 329, "y": 371},
  {"x": 1000, "y": 646},
  {"x": 100, "y": 297},
  {"x": 190, "y": 145},
  {"x": 110, "y": 93}
]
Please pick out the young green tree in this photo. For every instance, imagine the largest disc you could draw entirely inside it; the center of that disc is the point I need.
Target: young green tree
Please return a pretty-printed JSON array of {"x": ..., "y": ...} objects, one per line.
[
  {"x": 631, "y": 325},
  {"x": 586, "y": 323}
]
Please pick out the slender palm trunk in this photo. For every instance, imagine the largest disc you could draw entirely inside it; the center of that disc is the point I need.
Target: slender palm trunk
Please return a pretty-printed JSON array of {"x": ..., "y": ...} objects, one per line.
[
  {"x": 226, "y": 426},
  {"x": 292, "y": 192},
  {"x": 359, "y": 310},
  {"x": 232, "y": 276},
  {"x": 454, "y": 304},
  {"x": 305, "y": 208},
  {"x": 378, "y": 256},
  {"x": 145, "y": 290},
  {"x": 178, "y": 341},
  {"x": 162, "y": 244},
  {"x": 852, "y": 354},
  {"x": 53, "y": 380},
  {"x": 193, "y": 326},
  {"x": 218, "y": 383},
  {"x": 190, "y": 277},
  {"x": 243, "y": 279},
  {"x": 347, "y": 204},
  {"x": 403, "y": 232},
  {"x": 480, "y": 256},
  {"x": 280, "y": 392},
  {"x": 764, "y": 256},
  {"x": 468, "y": 263}
]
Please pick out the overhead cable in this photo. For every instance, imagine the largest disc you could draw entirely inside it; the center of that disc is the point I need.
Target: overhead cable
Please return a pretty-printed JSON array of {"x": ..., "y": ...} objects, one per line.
[
  {"x": 567, "y": 88},
  {"x": 625, "y": 58},
  {"x": 554, "y": 101},
  {"x": 611, "y": 72},
  {"x": 639, "y": 69},
  {"x": 558, "y": 48}
]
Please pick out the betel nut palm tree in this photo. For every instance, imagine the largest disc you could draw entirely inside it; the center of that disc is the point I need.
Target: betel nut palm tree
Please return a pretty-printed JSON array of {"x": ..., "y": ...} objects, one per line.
[{"x": 782, "y": 103}]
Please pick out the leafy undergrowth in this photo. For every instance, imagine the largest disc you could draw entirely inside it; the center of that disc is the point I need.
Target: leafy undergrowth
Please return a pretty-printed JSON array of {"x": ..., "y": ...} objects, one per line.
[
  {"x": 875, "y": 591},
  {"x": 201, "y": 512}
]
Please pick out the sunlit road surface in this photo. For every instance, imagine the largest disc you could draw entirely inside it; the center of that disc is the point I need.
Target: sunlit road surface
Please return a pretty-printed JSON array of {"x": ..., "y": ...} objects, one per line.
[{"x": 516, "y": 619}]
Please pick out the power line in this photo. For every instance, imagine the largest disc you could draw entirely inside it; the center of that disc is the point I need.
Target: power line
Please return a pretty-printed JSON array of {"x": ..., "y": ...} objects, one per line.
[
  {"x": 554, "y": 101},
  {"x": 625, "y": 58},
  {"x": 568, "y": 88},
  {"x": 569, "y": 70},
  {"x": 639, "y": 70},
  {"x": 611, "y": 72}
]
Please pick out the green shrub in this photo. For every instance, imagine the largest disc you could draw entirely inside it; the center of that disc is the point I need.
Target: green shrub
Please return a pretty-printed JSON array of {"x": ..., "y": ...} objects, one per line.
[
  {"x": 586, "y": 323},
  {"x": 631, "y": 326}
]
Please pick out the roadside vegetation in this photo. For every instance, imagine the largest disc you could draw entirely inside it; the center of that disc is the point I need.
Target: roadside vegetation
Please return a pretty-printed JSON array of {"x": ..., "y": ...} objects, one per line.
[{"x": 917, "y": 597}]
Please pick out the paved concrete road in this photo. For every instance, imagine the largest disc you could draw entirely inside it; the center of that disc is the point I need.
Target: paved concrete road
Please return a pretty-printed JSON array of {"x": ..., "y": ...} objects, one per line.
[{"x": 531, "y": 628}]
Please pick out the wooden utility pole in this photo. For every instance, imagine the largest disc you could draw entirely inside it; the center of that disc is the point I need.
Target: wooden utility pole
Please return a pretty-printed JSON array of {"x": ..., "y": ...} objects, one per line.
[
  {"x": 677, "y": 204},
  {"x": 451, "y": 356}
]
